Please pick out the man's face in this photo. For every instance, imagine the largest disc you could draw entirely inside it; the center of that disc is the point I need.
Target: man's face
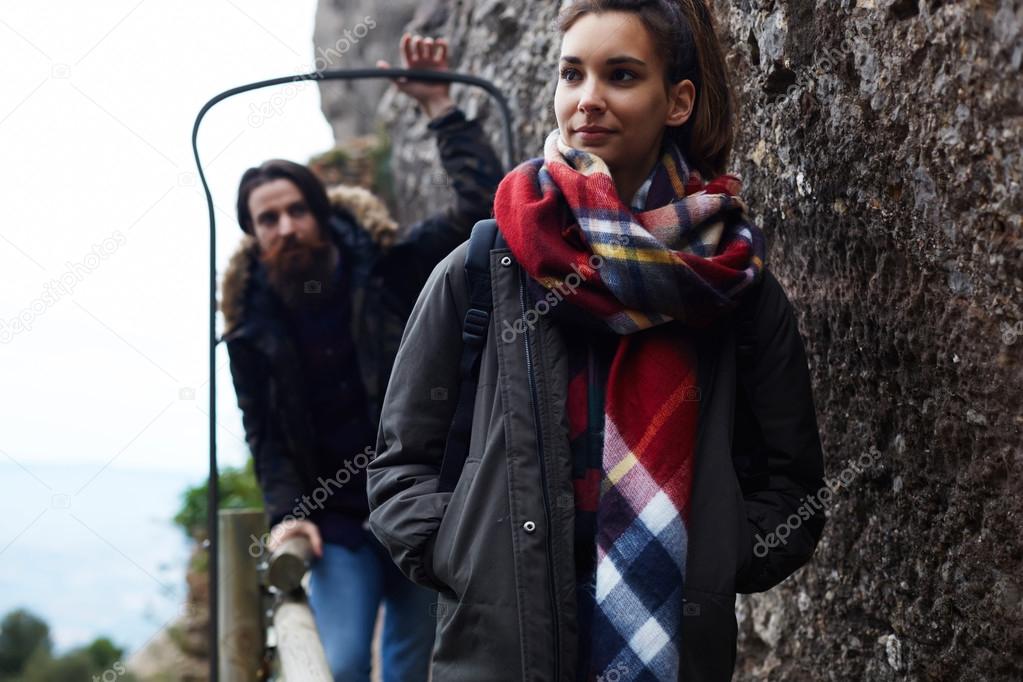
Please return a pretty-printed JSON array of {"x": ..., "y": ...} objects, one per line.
[
  {"x": 299, "y": 261},
  {"x": 278, "y": 210}
]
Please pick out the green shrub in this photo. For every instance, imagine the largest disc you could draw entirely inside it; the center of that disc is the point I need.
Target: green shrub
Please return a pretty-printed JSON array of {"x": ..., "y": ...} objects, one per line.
[
  {"x": 26, "y": 654},
  {"x": 238, "y": 490}
]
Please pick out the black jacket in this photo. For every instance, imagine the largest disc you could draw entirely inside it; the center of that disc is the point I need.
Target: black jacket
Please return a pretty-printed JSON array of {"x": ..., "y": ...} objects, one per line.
[
  {"x": 383, "y": 285},
  {"x": 499, "y": 548}
]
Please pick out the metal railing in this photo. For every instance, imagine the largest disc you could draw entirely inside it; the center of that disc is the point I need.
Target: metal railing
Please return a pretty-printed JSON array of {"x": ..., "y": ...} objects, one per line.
[{"x": 332, "y": 74}]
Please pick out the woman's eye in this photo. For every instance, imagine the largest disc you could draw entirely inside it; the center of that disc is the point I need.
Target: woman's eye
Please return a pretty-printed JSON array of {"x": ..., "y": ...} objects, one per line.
[
  {"x": 624, "y": 72},
  {"x": 567, "y": 72}
]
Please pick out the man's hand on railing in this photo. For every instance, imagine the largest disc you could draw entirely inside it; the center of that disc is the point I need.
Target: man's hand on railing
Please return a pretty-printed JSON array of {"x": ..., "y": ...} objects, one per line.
[{"x": 290, "y": 529}]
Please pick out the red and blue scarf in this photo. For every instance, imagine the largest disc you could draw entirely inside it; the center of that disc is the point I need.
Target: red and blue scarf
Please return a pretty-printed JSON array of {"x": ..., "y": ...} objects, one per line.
[{"x": 651, "y": 273}]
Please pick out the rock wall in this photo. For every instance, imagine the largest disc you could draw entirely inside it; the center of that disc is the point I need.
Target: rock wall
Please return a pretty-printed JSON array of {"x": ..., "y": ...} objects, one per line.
[
  {"x": 350, "y": 35},
  {"x": 880, "y": 142}
]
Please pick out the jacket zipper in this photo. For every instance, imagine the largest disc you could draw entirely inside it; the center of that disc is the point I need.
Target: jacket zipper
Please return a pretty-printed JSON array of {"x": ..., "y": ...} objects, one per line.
[{"x": 534, "y": 398}]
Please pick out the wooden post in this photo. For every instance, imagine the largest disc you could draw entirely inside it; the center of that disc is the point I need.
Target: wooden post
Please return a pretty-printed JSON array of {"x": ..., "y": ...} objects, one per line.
[
  {"x": 298, "y": 641},
  {"x": 241, "y": 628}
]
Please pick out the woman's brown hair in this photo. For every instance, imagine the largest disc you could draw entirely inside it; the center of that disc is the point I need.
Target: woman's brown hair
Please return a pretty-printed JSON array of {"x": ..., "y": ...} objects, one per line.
[{"x": 685, "y": 36}]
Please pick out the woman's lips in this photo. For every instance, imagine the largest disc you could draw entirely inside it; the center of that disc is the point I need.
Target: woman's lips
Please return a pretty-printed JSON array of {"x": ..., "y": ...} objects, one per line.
[{"x": 590, "y": 135}]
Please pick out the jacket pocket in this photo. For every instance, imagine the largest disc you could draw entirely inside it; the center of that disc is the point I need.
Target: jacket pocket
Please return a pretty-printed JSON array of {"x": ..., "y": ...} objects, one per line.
[
  {"x": 709, "y": 633},
  {"x": 438, "y": 556}
]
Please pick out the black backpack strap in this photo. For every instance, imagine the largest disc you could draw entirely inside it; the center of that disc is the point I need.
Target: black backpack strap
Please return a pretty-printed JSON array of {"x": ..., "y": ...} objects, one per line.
[
  {"x": 749, "y": 453},
  {"x": 474, "y": 337},
  {"x": 745, "y": 332}
]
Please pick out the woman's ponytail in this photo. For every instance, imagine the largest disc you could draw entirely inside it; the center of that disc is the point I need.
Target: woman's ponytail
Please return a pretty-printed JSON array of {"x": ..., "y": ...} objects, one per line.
[{"x": 709, "y": 138}]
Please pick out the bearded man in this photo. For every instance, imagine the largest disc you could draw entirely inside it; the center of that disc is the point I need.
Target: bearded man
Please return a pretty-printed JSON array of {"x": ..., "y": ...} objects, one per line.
[{"x": 315, "y": 302}]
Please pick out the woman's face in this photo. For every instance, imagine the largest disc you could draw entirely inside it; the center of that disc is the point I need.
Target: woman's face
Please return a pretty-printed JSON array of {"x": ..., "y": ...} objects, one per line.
[{"x": 611, "y": 98}]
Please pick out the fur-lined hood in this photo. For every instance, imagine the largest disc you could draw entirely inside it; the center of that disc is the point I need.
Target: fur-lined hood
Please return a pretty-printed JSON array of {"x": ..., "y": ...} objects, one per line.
[{"x": 370, "y": 213}]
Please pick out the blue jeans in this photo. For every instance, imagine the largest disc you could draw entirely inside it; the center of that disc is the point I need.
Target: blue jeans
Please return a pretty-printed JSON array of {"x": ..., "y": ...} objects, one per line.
[{"x": 346, "y": 589}]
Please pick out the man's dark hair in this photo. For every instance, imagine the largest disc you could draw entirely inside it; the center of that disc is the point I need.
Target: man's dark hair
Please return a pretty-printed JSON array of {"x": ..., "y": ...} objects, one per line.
[{"x": 280, "y": 169}]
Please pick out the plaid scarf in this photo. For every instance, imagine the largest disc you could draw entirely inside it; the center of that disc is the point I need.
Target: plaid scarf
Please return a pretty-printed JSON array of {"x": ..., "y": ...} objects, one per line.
[{"x": 682, "y": 253}]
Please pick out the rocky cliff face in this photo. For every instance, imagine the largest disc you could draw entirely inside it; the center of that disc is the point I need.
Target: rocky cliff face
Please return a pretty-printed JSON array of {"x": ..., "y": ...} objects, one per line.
[
  {"x": 179, "y": 651},
  {"x": 351, "y": 35},
  {"x": 880, "y": 145}
]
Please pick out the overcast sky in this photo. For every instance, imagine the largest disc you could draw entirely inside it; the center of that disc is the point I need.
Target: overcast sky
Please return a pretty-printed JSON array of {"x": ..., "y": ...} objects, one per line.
[{"x": 104, "y": 241}]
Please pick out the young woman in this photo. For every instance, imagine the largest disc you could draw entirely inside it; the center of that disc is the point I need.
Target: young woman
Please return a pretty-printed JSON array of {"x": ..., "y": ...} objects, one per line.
[{"x": 627, "y": 474}]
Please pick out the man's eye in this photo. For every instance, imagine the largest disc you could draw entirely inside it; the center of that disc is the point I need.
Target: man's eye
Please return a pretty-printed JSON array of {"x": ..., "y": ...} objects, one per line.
[
  {"x": 267, "y": 219},
  {"x": 567, "y": 72}
]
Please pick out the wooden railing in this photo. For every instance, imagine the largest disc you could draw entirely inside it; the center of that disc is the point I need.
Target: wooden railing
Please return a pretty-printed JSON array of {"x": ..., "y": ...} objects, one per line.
[
  {"x": 243, "y": 640},
  {"x": 298, "y": 642}
]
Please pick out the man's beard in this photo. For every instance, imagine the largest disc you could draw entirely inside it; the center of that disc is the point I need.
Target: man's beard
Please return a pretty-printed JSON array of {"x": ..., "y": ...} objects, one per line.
[{"x": 301, "y": 274}]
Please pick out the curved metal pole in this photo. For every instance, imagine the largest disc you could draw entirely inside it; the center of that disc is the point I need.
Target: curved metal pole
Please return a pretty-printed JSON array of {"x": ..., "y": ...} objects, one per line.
[{"x": 212, "y": 500}]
